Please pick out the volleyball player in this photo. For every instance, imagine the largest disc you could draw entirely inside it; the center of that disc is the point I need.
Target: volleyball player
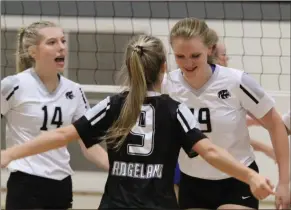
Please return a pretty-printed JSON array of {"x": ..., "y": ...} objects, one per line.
[
  {"x": 220, "y": 98},
  {"x": 220, "y": 55},
  {"x": 144, "y": 132},
  {"x": 35, "y": 100}
]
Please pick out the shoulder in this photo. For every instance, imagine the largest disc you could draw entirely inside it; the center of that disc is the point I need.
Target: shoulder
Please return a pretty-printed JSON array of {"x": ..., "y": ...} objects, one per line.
[
  {"x": 9, "y": 86},
  {"x": 243, "y": 82},
  {"x": 69, "y": 83},
  {"x": 171, "y": 80},
  {"x": 118, "y": 99},
  {"x": 14, "y": 86},
  {"x": 13, "y": 82},
  {"x": 74, "y": 87},
  {"x": 9, "y": 82},
  {"x": 230, "y": 74},
  {"x": 16, "y": 79},
  {"x": 169, "y": 105},
  {"x": 233, "y": 79},
  {"x": 170, "y": 101}
]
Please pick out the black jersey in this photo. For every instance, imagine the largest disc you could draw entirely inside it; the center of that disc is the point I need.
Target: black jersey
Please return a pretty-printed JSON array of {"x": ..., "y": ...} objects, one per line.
[{"x": 142, "y": 170}]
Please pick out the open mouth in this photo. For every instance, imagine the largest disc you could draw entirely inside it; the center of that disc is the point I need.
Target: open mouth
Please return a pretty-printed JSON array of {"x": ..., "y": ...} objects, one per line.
[{"x": 60, "y": 60}]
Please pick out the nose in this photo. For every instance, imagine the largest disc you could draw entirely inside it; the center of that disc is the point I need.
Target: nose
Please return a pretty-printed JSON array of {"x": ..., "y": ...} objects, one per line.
[
  {"x": 62, "y": 45},
  {"x": 188, "y": 63}
]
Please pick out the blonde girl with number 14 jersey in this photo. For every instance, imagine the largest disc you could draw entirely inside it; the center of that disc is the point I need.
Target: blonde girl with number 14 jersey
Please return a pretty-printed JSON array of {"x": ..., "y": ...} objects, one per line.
[{"x": 36, "y": 100}]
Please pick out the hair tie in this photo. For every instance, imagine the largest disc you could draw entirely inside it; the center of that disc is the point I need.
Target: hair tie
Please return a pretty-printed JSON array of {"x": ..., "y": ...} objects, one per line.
[
  {"x": 22, "y": 30},
  {"x": 139, "y": 49}
]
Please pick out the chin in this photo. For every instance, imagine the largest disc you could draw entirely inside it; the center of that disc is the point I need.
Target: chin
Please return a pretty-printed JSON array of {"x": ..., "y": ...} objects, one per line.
[
  {"x": 190, "y": 74},
  {"x": 60, "y": 70}
]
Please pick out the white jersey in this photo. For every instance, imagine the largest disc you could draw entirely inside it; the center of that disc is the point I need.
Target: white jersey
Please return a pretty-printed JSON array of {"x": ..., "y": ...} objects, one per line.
[
  {"x": 30, "y": 109},
  {"x": 286, "y": 120},
  {"x": 220, "y": 107}
]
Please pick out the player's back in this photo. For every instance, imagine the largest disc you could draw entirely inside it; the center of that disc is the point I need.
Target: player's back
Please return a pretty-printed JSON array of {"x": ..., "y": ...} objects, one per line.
[{"x": 142, "y": 170}]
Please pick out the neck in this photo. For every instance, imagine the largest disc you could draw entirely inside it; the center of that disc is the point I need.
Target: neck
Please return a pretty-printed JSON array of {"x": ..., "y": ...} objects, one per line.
[
  {"x": 200, "y": 79},
  {"x": 51, "y": 81},
  {"x": 156, "y": 88}
]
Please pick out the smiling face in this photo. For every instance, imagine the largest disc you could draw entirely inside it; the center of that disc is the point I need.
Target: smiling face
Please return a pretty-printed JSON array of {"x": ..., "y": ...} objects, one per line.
[
  {"x": 190, "y": 55},
  {"x": 192, "y": 42},
  {"x": 50, "y": 53}
]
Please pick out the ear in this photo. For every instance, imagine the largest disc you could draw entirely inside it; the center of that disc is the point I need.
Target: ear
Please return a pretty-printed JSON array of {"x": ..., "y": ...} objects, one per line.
[{"x": 32, "y": 51}]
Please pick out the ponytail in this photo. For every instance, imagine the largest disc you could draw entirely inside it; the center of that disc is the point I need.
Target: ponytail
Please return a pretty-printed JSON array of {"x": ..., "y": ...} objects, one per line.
[
  {"x": 144, "y": 57},
  {"x": 134, "y": 100},
  {"x": 23, "y": 60}
]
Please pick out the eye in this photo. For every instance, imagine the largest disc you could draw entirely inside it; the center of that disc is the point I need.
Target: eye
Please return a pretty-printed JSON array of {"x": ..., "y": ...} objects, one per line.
[
  {"x": 196, "y": 56},
  {"x": 64, "y": 41},
  {"x": 51, "y": 42},
  {"x": 179, "y": 56}
]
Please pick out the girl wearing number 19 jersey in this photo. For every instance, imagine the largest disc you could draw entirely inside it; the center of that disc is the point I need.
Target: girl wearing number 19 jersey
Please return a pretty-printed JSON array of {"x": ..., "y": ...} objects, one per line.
[{"x": 220, "y": 98}]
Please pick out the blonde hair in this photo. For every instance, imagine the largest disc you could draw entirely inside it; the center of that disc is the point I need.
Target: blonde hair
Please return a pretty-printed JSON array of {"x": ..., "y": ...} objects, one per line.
[
  {"x": 28, "y": 37},
  {"x": 193, "y": 27},
  {"x": 144, "y": 58}
]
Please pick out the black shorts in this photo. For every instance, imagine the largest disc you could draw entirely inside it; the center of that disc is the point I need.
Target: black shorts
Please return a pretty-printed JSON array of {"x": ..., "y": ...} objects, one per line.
[
  {"x": 25, "y": 191},
  {"x": 210, "y": 194}
]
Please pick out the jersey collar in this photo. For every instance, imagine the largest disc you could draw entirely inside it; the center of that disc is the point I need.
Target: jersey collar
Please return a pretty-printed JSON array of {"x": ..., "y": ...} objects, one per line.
[
  {"x": 153, "y": 93},
  {"x": 43, "y": 87},
  {"x": 199, "y": 91}
]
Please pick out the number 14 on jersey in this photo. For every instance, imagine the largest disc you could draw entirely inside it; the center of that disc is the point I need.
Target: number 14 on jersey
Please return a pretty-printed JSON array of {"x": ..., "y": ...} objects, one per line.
[{"x": 57, "y": 118}]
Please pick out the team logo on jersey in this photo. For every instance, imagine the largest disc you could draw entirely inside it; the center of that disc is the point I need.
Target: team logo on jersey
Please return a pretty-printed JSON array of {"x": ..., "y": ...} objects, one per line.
[
  {"x": 69, "y": 95},
  {"x": 223, "y": 94}
]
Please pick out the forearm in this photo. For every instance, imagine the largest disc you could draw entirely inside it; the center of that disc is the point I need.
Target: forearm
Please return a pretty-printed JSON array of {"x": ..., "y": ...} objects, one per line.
[
  {"x": 280, "y": 143},
  {"x": 258, "y": 146},
  {"x": 97, "y": 155},
  {"x": 222, "y": 160},
  {"x": 44, "y": 142}
]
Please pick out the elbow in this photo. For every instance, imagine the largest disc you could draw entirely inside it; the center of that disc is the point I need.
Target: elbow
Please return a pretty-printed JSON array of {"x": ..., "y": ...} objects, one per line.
[
  {"x": 63, "y": 136},
  {"x": 211, "y": 154},
  {"x": 272, "y": 121},
  {"x": 207, "y": 150},
  {"x": 62, "y": 141}
]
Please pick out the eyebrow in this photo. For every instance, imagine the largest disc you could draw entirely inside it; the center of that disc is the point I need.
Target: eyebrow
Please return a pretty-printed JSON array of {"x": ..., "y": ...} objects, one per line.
[
  {"x": 52, "y": 38},
  {"x": 181, "y": 54}
]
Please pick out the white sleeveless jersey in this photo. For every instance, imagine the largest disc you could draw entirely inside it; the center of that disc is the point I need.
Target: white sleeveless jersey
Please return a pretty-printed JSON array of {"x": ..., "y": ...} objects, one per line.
[
  {"x": 220, "y": 107},
  {"x": 30, "y": 109},
  {"x": 286, "y": 120}
]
